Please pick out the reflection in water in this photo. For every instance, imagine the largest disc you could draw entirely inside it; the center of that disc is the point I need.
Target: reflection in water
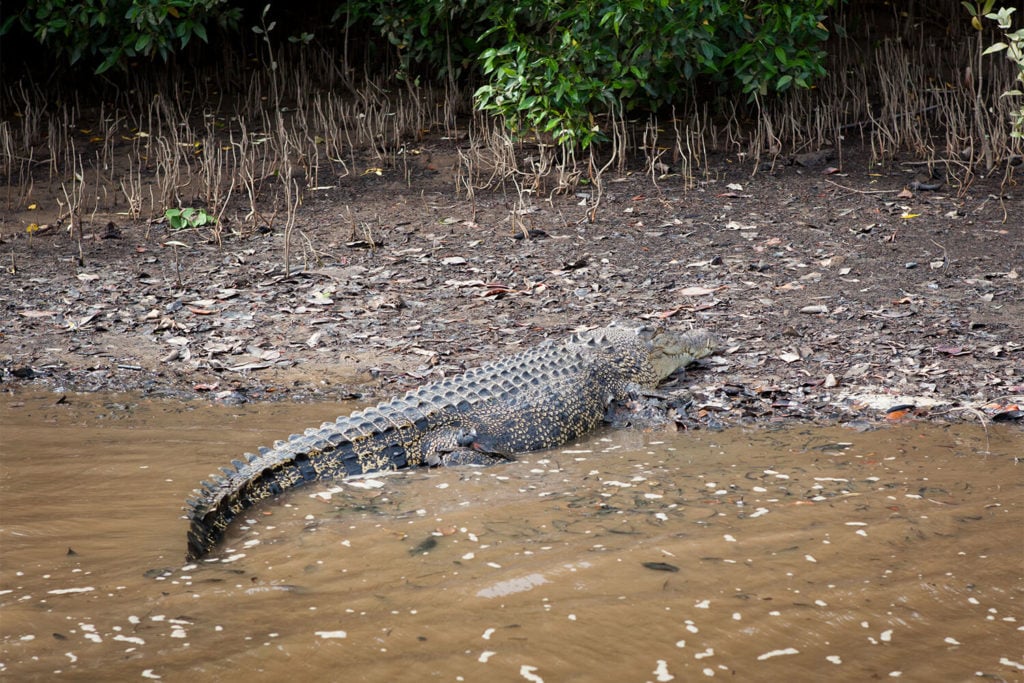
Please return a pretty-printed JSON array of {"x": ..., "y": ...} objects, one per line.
[{"x": 747, "y": 554}]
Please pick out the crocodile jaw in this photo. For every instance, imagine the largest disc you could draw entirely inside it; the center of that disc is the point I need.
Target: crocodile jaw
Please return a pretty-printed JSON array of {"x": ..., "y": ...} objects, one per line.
[{"x": 671, "y": 351}]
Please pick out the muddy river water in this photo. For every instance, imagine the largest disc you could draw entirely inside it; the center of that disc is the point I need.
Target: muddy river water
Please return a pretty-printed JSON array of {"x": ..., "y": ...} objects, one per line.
[{"x": 750, "y": 554}]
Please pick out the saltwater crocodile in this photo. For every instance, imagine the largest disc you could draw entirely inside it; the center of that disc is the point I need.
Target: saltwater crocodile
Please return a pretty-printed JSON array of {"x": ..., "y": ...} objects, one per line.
[{"x": 540, "y": 398}]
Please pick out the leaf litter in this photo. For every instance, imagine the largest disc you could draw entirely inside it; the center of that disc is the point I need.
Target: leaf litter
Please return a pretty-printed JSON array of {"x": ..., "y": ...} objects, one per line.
[{"x": 822, "y": 319}]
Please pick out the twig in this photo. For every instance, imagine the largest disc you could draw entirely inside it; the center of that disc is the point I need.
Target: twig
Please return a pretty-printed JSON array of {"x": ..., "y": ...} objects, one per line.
[{"x": 850, "y": 189}]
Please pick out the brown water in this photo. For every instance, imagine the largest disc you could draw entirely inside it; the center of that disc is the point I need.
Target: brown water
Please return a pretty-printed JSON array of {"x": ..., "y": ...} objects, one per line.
[{"x": 748, "y": 555}]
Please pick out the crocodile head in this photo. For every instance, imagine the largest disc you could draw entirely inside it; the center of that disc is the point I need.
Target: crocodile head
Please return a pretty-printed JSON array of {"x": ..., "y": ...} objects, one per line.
[{"x": 671, "y": 351}]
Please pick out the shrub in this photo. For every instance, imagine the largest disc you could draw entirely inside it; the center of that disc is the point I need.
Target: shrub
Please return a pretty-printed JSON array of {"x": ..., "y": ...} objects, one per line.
[
  {"x": 1014, "y": 47},
  {"x": 112, "y": 31},
  {"x": 558, "y": 63}
]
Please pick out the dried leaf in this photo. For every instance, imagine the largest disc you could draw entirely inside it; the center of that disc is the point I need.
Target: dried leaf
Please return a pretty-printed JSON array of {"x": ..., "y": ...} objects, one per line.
[
  {"x": 899, "y": 412},
  {"x": 458, "y": 284},
  {"x": 249, "y": 366},
  {"x": 857, "y": 370},
  {"x": 697, "y": 291}
]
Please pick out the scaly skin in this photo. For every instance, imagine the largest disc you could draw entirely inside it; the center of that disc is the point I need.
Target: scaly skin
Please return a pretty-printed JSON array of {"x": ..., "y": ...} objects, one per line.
[{"x": 540, "y": 398}]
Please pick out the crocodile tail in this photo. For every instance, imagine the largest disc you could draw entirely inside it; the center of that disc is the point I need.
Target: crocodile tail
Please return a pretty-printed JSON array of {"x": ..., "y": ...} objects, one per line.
[{"x": 289, "y": 464}]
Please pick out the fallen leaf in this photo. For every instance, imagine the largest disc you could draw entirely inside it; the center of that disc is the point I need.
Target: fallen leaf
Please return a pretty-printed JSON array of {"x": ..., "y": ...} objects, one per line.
[
  {"x": 857, "y": 370},
  {"x": 249, "y": 366},
  {"x": 899, "y": 412},
  {"x": 953, "y": 350},
  {"x": 665, "y": 315},
  {"x": 696, "y": 291},
  {"x": 458, "y": 284}
]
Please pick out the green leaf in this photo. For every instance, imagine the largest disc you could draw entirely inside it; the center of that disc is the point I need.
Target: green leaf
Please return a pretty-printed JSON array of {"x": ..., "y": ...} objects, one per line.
[
  {"x": 143, "y": 42},
  {"x": 5, "y": 26}
]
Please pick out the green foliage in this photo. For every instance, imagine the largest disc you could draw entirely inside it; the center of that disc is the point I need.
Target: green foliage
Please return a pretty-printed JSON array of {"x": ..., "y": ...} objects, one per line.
[
  {"x": 113, "y": 31},
  {"x": 179, "y": 219},
  {"x": 1014, "y": 47},
  {"x": 558, "y": 63},
  {"x": 552, "y": 66},
  {"x": 549, "y": 66}
]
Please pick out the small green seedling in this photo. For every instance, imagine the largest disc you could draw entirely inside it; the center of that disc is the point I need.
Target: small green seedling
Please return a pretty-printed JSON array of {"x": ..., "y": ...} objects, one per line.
[{"x": 179, "y": 219}]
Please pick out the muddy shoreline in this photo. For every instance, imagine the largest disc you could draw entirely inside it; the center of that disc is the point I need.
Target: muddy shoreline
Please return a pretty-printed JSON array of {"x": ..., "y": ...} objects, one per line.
[{"x": 840, "y": 294}]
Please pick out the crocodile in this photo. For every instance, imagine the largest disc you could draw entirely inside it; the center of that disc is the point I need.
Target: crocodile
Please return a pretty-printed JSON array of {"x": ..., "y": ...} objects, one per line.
[{"x": 540, "y": 398}]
